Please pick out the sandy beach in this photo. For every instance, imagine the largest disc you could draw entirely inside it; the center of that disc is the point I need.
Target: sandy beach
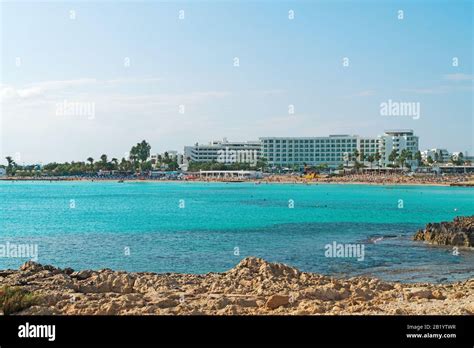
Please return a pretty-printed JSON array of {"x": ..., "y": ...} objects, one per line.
[{"x": 362, "y": 179}]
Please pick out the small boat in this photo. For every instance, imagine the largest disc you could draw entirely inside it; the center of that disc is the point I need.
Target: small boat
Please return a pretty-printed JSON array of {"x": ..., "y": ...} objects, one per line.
[{"x": 120, "y": 181}]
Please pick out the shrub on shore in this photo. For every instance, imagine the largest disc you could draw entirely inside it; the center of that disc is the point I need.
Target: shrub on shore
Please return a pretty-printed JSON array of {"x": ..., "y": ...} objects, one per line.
[{"x": 14, "y": 300}]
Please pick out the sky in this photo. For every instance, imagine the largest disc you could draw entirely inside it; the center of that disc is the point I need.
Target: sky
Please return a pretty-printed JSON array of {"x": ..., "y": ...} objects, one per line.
[{"x": 83, "y": 78}]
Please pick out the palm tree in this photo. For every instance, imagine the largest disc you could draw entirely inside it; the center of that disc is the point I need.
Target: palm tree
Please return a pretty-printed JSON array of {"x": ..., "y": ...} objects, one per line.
[
  {"x": 393, "y": 156},
  {"x": 356, "y": 154},
  {"x": 140, "y": 153},
  {"x": 377, "y": 158},
  {"x": 418, "y": 157},
  {"x": 11, "y": 164},
  {"x": 371, "y": 159},
  {"x": 91, "y": 161},
  {"x": 115, "y": 162},
  {"x": 404, "y": 156}
]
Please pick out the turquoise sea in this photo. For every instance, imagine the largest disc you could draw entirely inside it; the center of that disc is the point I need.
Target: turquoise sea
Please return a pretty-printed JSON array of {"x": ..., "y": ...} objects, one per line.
[{"x": 210, "y": 227}]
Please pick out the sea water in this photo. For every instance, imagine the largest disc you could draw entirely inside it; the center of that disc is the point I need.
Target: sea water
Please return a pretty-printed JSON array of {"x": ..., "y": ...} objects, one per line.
[{"x": 209, "y": 227}]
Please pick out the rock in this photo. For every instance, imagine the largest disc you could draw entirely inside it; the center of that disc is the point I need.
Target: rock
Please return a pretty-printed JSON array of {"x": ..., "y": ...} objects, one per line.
[
  {"x": 167, "y": 303},
  {"x": 327, "y": 293},
  {"x": 81, "y": 275},
  {"x": 31, "y": 266},
  {"x": 253, "y": 266},
  {"x": 457, "y": 295},
  {"x": 111, "y": 308},
  {"x": 364, "y": 293},
  {"x": 420, "y": 293},
  {"x": 246, "y": 302},
  {"x": 459, "y": 232},
  {"x": 253, "y": 287},
  {"x": 276, "y": 301},
  {"x": 469, "y": 308},
  {"x": 438, "y": 295},
  {"x": 220, "y": 303}
]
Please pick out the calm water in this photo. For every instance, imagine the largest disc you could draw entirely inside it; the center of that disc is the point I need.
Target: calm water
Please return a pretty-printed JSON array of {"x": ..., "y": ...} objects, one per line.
[{"x": 93, "y": 225}]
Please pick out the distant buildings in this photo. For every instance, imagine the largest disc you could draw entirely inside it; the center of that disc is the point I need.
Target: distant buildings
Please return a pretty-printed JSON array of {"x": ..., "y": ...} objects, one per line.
[
  {"x": 441, "y": 155},
  {"x": 3, "y": 172},
  {"x": 159, "y": 160},
  {"x": 224, "y": 151},
  {"x": 172, "y": 155},
  {"x": 332, "y": 150}
]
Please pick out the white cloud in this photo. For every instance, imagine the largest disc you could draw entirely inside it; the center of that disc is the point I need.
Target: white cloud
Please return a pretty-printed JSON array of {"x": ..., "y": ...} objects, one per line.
[{"x": 10, "y": 93}]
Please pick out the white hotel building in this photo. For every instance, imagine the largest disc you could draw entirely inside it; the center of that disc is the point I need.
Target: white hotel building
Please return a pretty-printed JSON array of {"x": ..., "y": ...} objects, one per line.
[
  {"x": 333, "y": 150},
  {"x": 214, "y": 150},
  {"x": 397, "y": 140}
]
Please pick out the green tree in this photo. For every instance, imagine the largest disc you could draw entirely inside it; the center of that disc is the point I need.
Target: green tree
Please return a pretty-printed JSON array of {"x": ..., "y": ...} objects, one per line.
[
  {"x": 355, "y": 155},
  {"x": 11, "y": 165},
  {"x": 393, "y": 156},
  {"x": 114, "y": 163},
  {"x": 262, "y": 163},
  {"x": 377, "y": 157},
  {"x": 91, "y": 161},
  {"x": 371, "y": 159},
  {"x": 140, "y": 153},
  {"x": 404, "y": 156},
  {"x": 143, "y": 151},
  {"x": 418, "y": 157}
]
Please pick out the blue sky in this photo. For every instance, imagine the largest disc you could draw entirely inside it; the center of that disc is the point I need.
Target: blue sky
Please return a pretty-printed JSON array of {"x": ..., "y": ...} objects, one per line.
[{"x": 190, "y": 62}]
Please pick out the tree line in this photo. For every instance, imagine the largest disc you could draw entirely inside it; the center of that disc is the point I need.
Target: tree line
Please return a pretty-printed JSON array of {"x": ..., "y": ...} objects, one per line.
[{"x": 138, "y": 161}]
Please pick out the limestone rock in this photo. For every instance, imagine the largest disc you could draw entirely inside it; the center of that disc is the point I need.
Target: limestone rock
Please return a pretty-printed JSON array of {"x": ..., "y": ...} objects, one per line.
[{"x": 276, "y": 301}]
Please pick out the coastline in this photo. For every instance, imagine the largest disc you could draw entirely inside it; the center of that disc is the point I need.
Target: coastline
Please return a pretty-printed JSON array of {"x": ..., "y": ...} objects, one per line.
[
  {"x": 252, "y": 287},
  {"x": 257, "y": 182}
]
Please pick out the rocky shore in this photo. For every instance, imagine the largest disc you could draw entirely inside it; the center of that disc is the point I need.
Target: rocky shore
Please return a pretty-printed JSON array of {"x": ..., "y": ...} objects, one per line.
[
  {"x": 459, "y": 232},
  {"x": 253, "y": 287}
]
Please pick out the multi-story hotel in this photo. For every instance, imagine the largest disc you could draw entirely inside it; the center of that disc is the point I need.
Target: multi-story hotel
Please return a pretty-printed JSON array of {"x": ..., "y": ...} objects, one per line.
[
  {"x": 333, "y": 150},
  {"x": 223, "y": 151},
  {"x": 397, "y": 140}
]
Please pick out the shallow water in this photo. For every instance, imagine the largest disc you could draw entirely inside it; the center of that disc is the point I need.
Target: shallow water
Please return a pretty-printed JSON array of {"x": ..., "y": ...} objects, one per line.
[{"x": 210, "y": 227}]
